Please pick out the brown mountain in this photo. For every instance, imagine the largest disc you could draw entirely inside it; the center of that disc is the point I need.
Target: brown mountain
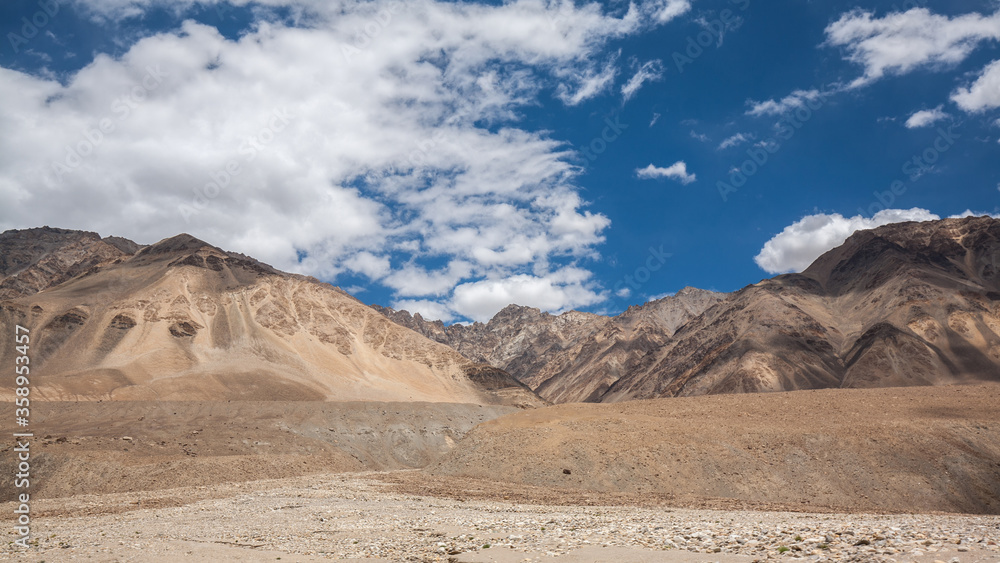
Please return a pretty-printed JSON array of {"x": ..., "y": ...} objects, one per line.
[
  {"x": 184, "y": 320},
  {"x": 570, "y": 357},
  {"x": 904, "y": 304}
]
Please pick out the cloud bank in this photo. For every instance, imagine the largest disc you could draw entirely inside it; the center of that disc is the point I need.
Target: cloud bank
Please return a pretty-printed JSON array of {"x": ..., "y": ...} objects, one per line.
[{"x": 391, "y": 149}]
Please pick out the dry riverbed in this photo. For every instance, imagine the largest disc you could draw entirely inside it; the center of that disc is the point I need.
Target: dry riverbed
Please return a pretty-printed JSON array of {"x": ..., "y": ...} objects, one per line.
[{"x": 362, "y": 517}]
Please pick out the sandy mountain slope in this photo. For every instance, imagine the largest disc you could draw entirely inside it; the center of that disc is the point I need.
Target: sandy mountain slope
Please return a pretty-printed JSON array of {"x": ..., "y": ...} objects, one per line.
[
  {"x": 905, "y": 304},
  {"x": 183, "y": 320},
  {"x": 570, "y": 357}
]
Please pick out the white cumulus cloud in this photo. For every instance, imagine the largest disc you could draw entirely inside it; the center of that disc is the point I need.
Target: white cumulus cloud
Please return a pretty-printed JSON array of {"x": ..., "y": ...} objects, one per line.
[
  {"x": 368, "y": 264},
  {"x": 676, "y": 171},
  {"x": 396, "y": 154},
  {"x": 904, "y": 41},
  {"x": 802, "y": 242},
  {"x": 926, "y": 118},
  {"x": 984, "y": 93},
  {"x": 557, "y": 291}
]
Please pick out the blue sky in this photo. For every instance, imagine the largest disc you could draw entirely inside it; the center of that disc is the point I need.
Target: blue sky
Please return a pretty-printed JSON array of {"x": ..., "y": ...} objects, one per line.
[{"x": 450, "y": 158}]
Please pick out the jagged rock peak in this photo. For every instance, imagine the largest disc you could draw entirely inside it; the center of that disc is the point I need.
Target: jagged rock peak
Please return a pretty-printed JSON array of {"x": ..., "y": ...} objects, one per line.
[
  {"x": 517, "y": 310},
  {"x": 686, "y": 296},
  {"x": 688, "y": 290},
  {"x": 125, "y": 245},
  {"x": 35, "y": 232},
  {"x": 179, "y": 243}
]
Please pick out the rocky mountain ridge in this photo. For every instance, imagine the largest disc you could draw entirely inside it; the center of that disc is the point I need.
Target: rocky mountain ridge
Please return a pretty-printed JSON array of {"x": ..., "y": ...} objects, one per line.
[
  {"x": 900, "y": 305},
  {"x": 571, "y": 357},
  {"x": 904, "y": 304},
  {"x": 32, "y": 260}
]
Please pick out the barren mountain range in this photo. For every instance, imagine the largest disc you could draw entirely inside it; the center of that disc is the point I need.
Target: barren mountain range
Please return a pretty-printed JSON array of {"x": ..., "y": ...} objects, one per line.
[
  {"x": 904, "y": 304},
  {"x": 183, "y": 320},
  {"x": 571, "y": 357}
]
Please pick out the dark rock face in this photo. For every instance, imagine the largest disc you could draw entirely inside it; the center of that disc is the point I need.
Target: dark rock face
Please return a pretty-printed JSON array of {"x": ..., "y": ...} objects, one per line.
[
  {"x": 904, "y": 304},
  {"x": 122, "y": 322},
  {"x": 33, "y": 260},
  {"x": 183, "y": 329},
  {"x": 572, "y": 357}
]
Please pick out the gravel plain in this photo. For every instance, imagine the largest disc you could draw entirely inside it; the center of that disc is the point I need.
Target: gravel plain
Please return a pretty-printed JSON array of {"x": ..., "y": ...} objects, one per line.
[{"x": 362, "y": 517}]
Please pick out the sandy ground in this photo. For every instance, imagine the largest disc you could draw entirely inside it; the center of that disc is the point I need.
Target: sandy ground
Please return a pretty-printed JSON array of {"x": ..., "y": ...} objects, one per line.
[
  {"x": 916, "y": 449},
  {"x": 841, "y": 475},
  {"x": 922, "y": 449},
  {"x": 358, "y": 518},
  {"x": 124, "y": 446}
]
